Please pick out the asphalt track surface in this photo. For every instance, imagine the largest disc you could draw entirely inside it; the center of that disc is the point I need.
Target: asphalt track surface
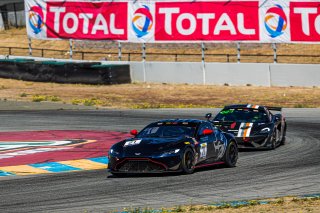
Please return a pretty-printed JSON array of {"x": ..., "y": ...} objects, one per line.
[{"x": 292, "y": 169}]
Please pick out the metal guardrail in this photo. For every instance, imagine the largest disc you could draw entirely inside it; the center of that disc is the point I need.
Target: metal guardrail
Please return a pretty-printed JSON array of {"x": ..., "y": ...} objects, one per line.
[{"x": 128, "y": 56}]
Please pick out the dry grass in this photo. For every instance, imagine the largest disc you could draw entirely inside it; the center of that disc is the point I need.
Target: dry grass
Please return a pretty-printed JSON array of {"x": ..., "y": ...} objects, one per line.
[
  {"x": 287, "y": 205},
  {"x": 172, "y": 52},
  {"x": 139, "y": 95}
]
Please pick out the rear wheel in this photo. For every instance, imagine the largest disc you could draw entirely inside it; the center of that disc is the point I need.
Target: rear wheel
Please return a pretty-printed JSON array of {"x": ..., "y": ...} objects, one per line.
[
  {"x": 187, "y": 163},
  {"x": 273, "y": 139},
  {"x": 283, "y": 139},
  {"x": 231, "y": 155}
]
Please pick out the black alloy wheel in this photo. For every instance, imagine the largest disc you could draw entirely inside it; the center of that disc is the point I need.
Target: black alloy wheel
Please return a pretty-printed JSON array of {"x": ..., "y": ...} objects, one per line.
[
  {"x": 273, "y": 139},
  {"x": 283, "y": 139},
  {"x": 188, "y": 161},
  {"x": 231, "y": 155}
]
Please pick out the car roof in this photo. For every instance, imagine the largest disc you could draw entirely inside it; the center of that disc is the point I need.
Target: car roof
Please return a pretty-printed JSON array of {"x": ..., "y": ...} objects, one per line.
[
  {"x": 244, "y": 106},
  {"x": 195, "y": 121}
]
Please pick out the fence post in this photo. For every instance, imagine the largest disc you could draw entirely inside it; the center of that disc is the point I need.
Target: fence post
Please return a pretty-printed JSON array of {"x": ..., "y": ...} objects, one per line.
[
  {"x": 119, "y": 51},
  {"x": 274, "y": 47},
  {"x": 203, "y": 63},
  {"x": 71, "y": 49},
  {"x": 144, "y": 61},
  {"x": 30, "y": 46},
  {"x": 15, "y": 14},
  {"x": 238, "y": 52}
]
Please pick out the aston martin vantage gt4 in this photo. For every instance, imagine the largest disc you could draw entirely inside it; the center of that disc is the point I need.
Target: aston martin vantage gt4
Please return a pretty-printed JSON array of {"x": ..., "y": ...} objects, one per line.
[
  {"x": 254, "y": 126},
  {"x": 173, "y": 146}
]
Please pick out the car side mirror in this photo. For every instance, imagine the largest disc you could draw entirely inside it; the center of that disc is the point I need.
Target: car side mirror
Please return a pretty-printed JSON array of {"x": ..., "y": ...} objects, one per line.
[
  {"x": 134, "y": 132},
  {"x": 207, "y": 132},
  {"x": 208, "y": 116},
  {"x": 276, "y": 118}
]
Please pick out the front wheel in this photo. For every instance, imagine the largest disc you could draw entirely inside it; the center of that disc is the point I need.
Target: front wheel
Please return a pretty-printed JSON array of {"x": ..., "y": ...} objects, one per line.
[
  {"x": 231, "y": 155},
  {"x": 187, "y": 163}
]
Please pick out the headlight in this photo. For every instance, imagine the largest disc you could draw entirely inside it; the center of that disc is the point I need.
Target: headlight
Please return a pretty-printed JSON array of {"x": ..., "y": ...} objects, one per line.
[
  {"x": 265, "y": 130},
  {"x": 175, "y": 151},
  {"x": 112, "y": 152}
]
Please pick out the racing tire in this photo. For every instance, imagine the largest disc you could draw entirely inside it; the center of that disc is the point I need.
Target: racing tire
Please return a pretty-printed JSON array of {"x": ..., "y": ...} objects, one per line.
[
  {"x": 187, "y": 164},
  {"x": 283, "y": 139},
  {"x": 231, "y": 156},
  {"x": 273, "y": 139}
]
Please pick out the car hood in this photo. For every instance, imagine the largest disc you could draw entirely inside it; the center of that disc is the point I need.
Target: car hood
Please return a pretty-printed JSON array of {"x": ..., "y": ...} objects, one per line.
[
  {"x": 241, "y": 129},
  {"x": 149, "y": 146}
]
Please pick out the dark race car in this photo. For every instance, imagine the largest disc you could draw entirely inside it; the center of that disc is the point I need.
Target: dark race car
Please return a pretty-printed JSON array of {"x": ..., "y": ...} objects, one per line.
[
  {"x": 173, "y": 145},
  {"x": 253, "y": 126}
]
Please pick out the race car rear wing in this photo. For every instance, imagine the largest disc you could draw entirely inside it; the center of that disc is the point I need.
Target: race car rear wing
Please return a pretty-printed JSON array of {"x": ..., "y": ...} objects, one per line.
[{"x": 274, "y": 108}]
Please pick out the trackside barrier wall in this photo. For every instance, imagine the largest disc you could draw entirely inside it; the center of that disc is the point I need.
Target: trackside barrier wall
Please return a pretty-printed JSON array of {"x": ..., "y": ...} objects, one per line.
[
  {"x": 238, "y": 74},
  {"x": 256, "y": 74},
  {"x": 304, "y": 75},
  {"x": 103, "y": 72}
]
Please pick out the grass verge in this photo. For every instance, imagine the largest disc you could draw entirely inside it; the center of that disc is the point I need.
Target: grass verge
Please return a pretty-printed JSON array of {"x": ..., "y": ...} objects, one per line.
[{"x": 285, "y": 204}]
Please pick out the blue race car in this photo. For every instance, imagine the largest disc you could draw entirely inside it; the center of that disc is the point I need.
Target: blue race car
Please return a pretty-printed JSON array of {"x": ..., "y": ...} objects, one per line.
[{"x": 173, "y": 146}]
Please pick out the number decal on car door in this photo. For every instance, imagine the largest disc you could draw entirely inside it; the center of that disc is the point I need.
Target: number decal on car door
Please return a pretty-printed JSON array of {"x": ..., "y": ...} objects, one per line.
[{"x": 203, "y": 150}]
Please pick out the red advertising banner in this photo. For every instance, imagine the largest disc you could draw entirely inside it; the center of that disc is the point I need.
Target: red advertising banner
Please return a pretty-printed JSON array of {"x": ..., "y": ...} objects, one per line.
[
  {"x": 277, "y": 21},
  {"x": 306, "y": 19},
  {"x": 87, "y": 20},
  {"x": 205, "y": 21}
]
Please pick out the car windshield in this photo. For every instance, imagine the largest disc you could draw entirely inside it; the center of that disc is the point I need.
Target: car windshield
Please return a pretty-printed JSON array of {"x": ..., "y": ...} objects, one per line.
[
  {"x": 242, "y": 115},
  {"x": 167, "y": 131}
]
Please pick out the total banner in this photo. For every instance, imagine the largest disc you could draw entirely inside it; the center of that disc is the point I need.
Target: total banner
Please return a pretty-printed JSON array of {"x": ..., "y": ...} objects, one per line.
[{"x": 148, "y": 21}]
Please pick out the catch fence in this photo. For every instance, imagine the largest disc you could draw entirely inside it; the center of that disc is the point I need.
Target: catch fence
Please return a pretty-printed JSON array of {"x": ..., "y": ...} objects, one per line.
[{"x": 225, "y": 53}]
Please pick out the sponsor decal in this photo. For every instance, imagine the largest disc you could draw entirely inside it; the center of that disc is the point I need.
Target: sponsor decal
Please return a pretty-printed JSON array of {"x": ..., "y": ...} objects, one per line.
[
  {"x": 36, "y": 19},
  {"x": 142, "y": 21},
  {"x": 219, "y": 148},
  {"x": 275, "y": 21},
  {"x": 253, "y": 106},
  {"x": 227, "y": 111},
  {"x": 220, "y": 145},
  {"x": 245, "y": 130},
  {"x": 131, "y": 143}
]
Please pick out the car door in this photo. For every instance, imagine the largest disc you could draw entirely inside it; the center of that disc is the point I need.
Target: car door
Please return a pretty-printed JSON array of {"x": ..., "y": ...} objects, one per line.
[
  {"x": 220, "y": 144},
  {"x": 206, "y": 142}
]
